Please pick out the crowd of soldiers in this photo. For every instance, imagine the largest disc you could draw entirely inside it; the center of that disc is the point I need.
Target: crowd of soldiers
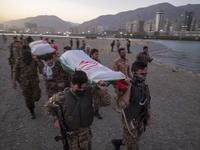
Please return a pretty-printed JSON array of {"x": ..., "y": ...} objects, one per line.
[{"x": 77, "y": 102}]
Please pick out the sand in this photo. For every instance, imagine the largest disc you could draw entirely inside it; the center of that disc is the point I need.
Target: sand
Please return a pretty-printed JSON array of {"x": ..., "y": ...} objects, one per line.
[{"x": 175, "y": 107}]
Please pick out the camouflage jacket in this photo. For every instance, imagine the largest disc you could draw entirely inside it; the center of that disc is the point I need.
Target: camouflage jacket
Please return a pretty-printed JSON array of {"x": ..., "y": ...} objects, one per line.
[
  {"x": 59, "y": 75},
  {"x": 122, "y": 66},
  {"x": 99, "y": 98},
  {"x": 26, "y": 74}
]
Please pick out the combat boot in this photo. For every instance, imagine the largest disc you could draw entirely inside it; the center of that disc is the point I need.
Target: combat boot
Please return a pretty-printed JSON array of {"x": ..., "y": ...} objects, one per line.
[
  {"x": 96, "y": 114},
  {"x": 117, "y": 143},
  {"x": 32, "y": 113}
]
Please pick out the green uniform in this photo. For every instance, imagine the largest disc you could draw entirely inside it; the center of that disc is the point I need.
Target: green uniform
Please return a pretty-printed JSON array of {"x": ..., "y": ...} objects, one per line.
[{"x": 79, "y": 135}]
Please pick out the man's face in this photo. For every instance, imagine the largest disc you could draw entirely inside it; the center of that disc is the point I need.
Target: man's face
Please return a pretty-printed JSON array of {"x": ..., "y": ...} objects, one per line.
[
  {"x": 83, "y": 43},
  {"x": 18, "y": 45},
  {"x": 76, "y": 86},
  {"x": 95, "y": 55},
  {"x": 122, "y": 54},
  {"x": 142, "y": 72},
  {"x": 87, "y": 50},
  {"x": 145, "y": 50},
  {"x": 49, "y": 62}
]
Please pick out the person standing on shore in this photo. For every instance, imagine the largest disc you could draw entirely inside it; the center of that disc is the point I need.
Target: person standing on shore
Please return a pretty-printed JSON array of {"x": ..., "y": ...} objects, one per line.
[
  {"x": 118, "y": 44},
  {"x": 56, "y": 79},
  {"x": 128, "y": 44},
  {"x": 121, "y": 64},
  {"x": 112, "y": 45},
  {"x": 25, "y": 72},
  {"x": 95, "y": 55},
  {"x": 77, "y": 43},
  {"x": 83, "y": 45},
  {"x": 144, "y": 56},
  {"x": 76, "y": 104},
  {"x": 135, "y": 106},
  {"x": 71, "y": 43}
]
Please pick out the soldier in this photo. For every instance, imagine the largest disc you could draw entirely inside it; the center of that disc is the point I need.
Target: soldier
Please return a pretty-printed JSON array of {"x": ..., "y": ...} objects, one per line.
[
  {"x": 121, "y": 64},
  {"x": 136, "y": 108},
  {"x": 25, "y": 72},
  {"x": 95, "y": 55},
  {"x": 144, "y": 56},
  {"x": 118, "y": 44},
  {"x": 83, "y": 45},
  {"x": 15, "y": 52},
  {"x": 77, "y": 43},
  {"x": 78, "y": 109},
  {"x": 56, "y": 79},
  {"x": 128, "y": 44}
]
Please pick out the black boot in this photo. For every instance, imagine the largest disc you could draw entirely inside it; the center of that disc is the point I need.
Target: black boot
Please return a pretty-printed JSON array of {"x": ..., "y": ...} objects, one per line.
[
  {"x": 32, "y": 113},
  {"x": 117, "y": 143},
  {"x": 96, "y": 114}
]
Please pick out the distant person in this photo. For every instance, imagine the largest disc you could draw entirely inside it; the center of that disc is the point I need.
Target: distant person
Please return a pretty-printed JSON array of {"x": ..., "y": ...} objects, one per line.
[
  {"x": 11, "y": 46},
  {"x": 4, "y": 38},
  {"x": 71, "y": 43},
  {"x": 83, "y": 45},
  {"x": 135, "y": 105},
  {"x": 56, "y": 79},
  {"x": 46, "y": 39},
  {"x": 29, "y": 39},
  {"x": 128, "y": 44},
  {"x": 52, "y": 41},
  {"x": 77, "y": 43},
  {"x": 25, "y": 72},
  {"x": 41, "y": 38},
  {"x": 87, "y": 50},
  {"x": 121, "y": 64},
  {"x": 21, "y": 40},
  {"x": 144, "y": 56},
  {"x": 66, "y": 48},
  {"x": 118, "y": 44},
  {"x": 112, "y": 45}
]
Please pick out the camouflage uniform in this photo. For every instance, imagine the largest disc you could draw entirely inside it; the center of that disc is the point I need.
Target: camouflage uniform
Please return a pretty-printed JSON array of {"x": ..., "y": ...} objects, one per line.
[
  {"x": 131, "y": 141},
  {"x": 14, "y": 54},
  {"x": 122, "y": 66},
  {"x": 59, "y": 75},
  {"x": 143, "y": 57},
  {"x": 81, "y": 138},
  {"x": 29, "y": 82}
]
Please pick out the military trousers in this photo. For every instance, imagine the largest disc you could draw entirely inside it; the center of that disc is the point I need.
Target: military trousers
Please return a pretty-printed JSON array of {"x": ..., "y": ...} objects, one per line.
[
  {"x": 80, "y": 139},
  {"x": 131, "y": 140},
  {"x": 31, "y": 92}
]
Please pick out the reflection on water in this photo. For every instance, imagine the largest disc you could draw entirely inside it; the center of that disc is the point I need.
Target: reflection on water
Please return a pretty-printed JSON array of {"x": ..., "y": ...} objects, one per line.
[{"x": 179, "y": 54}]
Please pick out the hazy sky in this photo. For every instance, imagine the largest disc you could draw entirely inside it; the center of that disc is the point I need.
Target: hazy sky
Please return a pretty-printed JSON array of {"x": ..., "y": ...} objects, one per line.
[{"x": 76, "y": 11}]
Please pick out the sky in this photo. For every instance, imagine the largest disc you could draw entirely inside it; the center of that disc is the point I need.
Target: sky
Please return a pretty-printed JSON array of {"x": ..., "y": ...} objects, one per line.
[{"x": 76, "y": 11}]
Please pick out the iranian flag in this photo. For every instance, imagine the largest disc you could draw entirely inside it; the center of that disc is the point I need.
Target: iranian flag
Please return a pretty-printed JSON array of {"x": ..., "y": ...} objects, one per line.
[{"x": 78, "y": 60}]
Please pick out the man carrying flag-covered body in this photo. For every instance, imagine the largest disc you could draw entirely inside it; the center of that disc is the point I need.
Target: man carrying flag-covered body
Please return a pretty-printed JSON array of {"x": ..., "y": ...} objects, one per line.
[{"x": 77, "y": 105}]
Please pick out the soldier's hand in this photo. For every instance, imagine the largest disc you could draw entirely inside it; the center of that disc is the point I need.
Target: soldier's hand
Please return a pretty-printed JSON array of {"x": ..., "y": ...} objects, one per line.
[
  {"x": 102, "y": 85},
  {"x": 57, "y": 125},
  {"x": 14, "y": 85},
  {"x": 128, "y": 81},
  {"x": 148, "y": 121}
]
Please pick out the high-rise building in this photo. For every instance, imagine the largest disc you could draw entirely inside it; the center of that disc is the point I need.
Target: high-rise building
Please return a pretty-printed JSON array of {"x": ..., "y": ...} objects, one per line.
[
  {"x": 159, "y": 21},
  {"x": 186, "y": 21},
  {"x": 135, "y": 26}
]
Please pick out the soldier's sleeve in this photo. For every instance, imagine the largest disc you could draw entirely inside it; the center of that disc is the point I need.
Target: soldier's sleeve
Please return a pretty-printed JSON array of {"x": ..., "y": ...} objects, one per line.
[
  {"x": 100, "y": 99},
  {"x": 52, "y": 105},
  {"x": 17, "y": 66}
]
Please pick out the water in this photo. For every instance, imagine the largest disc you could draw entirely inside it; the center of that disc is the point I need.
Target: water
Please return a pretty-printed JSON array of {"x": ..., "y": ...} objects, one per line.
[{"x": 179, "y": 54}]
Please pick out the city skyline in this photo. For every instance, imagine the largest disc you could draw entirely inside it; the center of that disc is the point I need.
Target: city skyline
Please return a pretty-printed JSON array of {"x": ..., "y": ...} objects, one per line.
[{"x": 85, "y": 10}]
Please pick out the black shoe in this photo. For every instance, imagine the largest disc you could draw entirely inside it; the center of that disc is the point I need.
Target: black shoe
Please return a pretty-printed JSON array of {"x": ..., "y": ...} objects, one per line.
[
  {"x": 32, "y": 113},
  {"x": 96, "y": 114},
  {"x": 117, "y": 143}
]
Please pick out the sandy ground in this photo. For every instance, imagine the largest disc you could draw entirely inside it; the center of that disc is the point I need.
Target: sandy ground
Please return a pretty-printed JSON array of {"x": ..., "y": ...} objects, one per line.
[{"x": 175, "y": 123}]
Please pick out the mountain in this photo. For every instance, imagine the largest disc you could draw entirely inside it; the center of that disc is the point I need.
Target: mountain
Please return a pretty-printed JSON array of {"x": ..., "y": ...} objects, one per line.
[
  {"x": 118, "y": 21},
  {"x": 42, "y": 21}
]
